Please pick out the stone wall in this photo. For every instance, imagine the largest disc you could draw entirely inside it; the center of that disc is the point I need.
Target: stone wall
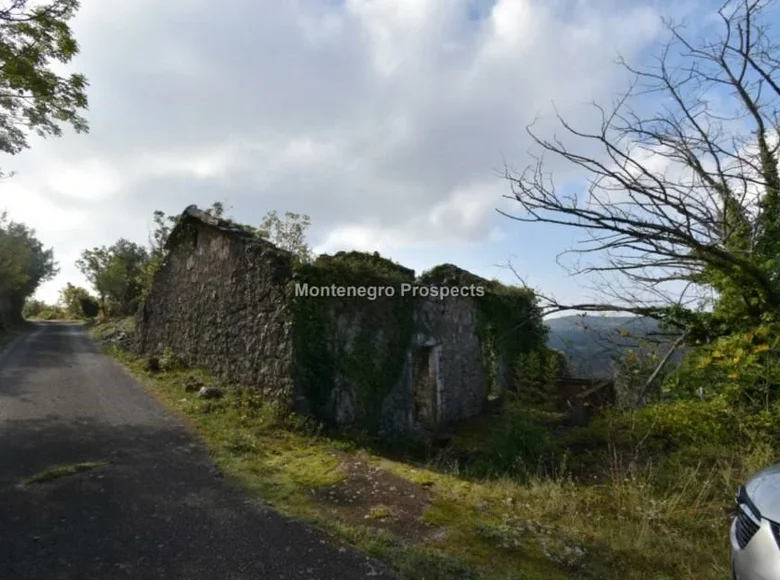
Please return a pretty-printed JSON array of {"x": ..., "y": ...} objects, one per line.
[
  {"x": 436, "y": 380},
  {"x": 227, "y": 302},
  {"x": 220, "y": 302},
  {"x": 350, "y": 351},
  {"x": 448, "y": 327},
  {"x": 369, "y": 346}
]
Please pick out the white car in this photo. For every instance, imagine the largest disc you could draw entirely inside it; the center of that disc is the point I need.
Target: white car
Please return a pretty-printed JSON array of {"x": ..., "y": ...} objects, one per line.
[{"x": 755, "y": 532}]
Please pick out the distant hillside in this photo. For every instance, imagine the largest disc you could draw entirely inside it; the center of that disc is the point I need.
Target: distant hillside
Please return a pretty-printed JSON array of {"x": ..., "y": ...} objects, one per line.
[{"x": 591, "y": 342}]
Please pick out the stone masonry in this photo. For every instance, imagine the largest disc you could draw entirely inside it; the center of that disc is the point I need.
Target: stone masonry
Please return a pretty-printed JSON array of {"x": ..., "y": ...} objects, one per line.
[{"x": 224, "y": 301}]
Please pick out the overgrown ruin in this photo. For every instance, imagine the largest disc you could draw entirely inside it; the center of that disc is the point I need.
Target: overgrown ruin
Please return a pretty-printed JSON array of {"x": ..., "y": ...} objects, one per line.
[{"x": 403, "y": 362}]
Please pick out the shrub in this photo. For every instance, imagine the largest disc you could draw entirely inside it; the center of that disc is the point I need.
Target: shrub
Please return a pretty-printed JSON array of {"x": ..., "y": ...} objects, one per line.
[
  {"x": 743, "y": 368},
  {"x": 536, "y": 376},
  {"x": 519, "y": 445},
  {"x": 170, "y": 361},
  {"x": 676, "y": 424},
  {"x": 33, "y": 308},
  {"x": 51, "y": 313},
  {"x": 90, "y": 307}
]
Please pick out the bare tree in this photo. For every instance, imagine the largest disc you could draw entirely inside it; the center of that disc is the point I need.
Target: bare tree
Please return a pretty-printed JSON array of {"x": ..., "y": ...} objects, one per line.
[{"x": 685, "y": 198}]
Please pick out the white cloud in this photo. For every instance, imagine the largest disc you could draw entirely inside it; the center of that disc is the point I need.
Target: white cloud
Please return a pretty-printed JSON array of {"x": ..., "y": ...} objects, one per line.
[
  {"x": 90, "y": 180},
  {"x": 385, "y": 120},
  {"x": 515, "y": 26},
  {"x": 465, "y": 211}
]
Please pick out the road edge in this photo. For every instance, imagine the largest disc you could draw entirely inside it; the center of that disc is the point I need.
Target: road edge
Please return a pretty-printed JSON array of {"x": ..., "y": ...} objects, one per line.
[{"x": 23, "y": 334}]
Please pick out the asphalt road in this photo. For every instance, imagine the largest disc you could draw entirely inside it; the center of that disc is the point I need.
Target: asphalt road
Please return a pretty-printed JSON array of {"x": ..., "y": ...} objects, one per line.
[{"x": 157, "y": 510}]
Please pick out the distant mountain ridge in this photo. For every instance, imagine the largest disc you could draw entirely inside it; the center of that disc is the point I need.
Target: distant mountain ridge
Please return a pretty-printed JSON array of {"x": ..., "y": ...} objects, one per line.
[{"x": 590, "y": 343}]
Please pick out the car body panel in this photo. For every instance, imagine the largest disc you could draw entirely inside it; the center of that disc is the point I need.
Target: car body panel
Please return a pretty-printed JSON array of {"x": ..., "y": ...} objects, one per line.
[
  {"x": 760, "y": 559},
  {"x": 764, "y": 491}
]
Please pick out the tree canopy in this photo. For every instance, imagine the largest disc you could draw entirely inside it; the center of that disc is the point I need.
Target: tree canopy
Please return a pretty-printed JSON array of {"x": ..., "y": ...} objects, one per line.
[
  {"x": 24, "y": 265},
  {"x": 77, "y": 302},
  {"x": 116, "y": 274},
  {"x": 33, "y": 98}
]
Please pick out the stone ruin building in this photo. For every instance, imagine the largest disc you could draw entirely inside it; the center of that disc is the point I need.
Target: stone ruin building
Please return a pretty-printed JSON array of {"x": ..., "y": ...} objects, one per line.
[{"x": 407, "y": 364}]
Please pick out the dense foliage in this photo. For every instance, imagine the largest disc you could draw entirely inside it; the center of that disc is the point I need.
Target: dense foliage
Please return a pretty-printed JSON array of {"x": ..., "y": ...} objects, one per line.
[
  {"x": 24, "y": 265},
  {"x": 78, "y": 303},
  {"x": 34, "y": 38},
  {"x": 372, "y": 362},
  {"x": 116, "y": 273},
  {"x": 39, "y": 310}
]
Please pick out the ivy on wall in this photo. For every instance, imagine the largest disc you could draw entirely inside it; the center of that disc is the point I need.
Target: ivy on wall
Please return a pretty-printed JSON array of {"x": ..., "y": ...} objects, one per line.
[
  {"x": 372, "y": 362},
  {"x": 509, "y": 322},
  {"x": 372, "y": 359}
]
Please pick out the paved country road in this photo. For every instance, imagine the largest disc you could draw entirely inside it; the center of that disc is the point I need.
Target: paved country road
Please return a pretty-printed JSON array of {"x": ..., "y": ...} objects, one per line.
[{"x": 156, "y": 510}]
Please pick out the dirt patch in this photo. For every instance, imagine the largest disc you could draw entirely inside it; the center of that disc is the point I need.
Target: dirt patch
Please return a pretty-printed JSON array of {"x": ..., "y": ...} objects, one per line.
[{"x": 370, "y": 496}]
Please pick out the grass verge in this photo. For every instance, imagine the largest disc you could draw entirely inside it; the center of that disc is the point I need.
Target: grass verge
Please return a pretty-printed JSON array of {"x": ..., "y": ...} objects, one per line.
[{"x": 603, "y": 511}]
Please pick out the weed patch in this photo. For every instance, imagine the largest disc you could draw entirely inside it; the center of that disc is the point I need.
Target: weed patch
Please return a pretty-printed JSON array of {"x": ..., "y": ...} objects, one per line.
[{"x": 62, "y": 471}]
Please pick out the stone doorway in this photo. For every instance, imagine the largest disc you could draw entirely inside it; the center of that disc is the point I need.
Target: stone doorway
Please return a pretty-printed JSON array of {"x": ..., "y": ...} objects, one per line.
[{"x": 426, "y": 385}]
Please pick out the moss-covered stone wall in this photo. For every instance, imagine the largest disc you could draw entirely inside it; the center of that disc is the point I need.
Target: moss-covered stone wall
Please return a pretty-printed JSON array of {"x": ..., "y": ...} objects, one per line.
[
  {"x": 509, "y": 322},
  {"x": 409, "y": 362},
  {"x": 350, "y": 351},
  {"x": 348, "y": 338}
]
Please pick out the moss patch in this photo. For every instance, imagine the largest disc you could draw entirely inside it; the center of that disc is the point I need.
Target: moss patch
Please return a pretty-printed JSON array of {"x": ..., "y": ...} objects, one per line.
[
  {"x": 358, "y": 341},
  {"x": 62, "y": 471}
]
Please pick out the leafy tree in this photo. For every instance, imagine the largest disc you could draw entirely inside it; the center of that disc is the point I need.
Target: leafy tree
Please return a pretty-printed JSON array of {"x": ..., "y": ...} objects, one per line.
[
  {"x": 72, "y": 299},
  {"x": 116, "y": 274},
  {"x": 123, "y": 276},
  {"x": 157, "y": 240},
  {"x": 217, "y": 209},
  {"x": 35, "y": 37},
  {"x": 38, "y": 309},
  {"x": 93, "y": 264},
  {"x": 288, "y": 233},
  {"x": 683, "y": 202},
  {"x": 33, "y": 308},
  {"x": 24, "y": 264}
]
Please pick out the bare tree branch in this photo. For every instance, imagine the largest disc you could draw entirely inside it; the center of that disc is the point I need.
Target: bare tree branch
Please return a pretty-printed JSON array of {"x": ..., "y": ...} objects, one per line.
[{"x": 685, "y": 198}]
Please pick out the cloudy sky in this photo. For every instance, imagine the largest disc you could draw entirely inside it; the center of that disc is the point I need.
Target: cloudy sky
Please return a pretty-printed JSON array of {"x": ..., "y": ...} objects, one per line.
[{"x": 387, "y": 121}]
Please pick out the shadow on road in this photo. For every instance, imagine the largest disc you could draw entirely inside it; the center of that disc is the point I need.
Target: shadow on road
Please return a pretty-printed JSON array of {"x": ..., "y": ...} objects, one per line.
[{"x": 158, "y": 509}]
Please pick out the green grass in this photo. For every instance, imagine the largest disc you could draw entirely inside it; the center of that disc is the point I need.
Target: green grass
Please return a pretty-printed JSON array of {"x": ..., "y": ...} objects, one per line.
[
  {"x": 593, "y": 509},
  {"x": 62, "y": 471},
  {"x": 100, "y": 330}
]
